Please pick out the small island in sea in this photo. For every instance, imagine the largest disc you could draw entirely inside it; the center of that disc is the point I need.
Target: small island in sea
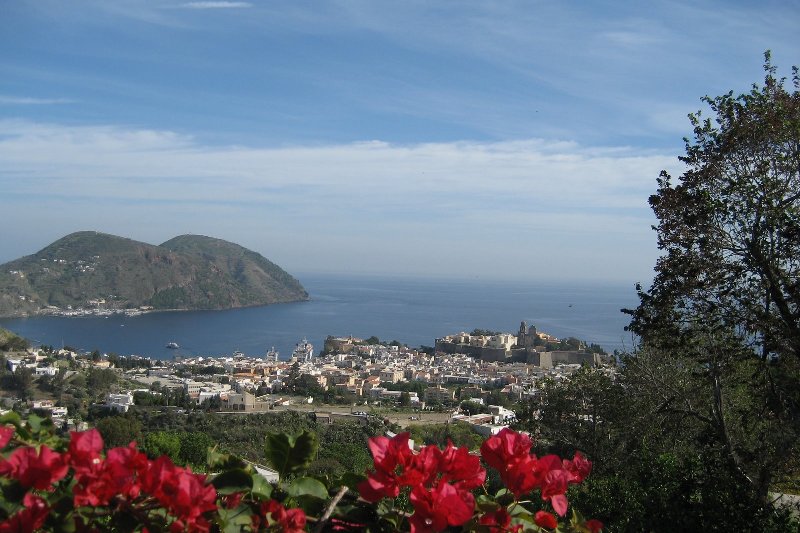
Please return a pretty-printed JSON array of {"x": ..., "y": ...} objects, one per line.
[{"x": 92, "y": 273}]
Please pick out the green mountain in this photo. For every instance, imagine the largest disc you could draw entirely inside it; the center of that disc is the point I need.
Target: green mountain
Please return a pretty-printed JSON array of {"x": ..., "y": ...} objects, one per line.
[{"x": 90, "y": 269}]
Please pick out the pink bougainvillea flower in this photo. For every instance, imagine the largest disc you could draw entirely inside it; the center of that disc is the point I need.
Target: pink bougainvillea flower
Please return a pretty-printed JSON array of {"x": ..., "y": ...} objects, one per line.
[
  {"x": 290, "y": 520},
  {"x": 232, "y": 501},
  {"x": 508, "y": 452},
  {"x": 505, "y": 448},
  {"x": 6, "y": 432},
  {"x": 458, "y": 466},
  {"x": 84, "y": 449},
  {"x": 442, "y": 506},
  {"x": 30, "y": 518},
  {"x": 579, "y": 467},
  {"x": 559, "y": 503},
  {"x": 499, "y": 521},
  {"x": 545, "y": 520},
  {"x": 38, "y": 470},
  {"x": 389, "y": 457}
]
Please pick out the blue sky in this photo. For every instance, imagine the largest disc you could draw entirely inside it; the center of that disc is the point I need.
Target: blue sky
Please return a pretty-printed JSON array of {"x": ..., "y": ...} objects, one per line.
[{"x": 515, "y": 140}]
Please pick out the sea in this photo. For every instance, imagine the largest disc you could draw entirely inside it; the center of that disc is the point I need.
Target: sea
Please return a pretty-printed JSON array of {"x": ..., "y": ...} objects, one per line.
[{"x": 409, "y": 310}]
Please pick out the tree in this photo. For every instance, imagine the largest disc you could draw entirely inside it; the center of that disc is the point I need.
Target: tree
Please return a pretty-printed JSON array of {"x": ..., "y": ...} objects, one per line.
[
  {"x": 723, "y": 312},
  {"x": 22, "y": 380},
  {"x": 162, "y": 443},
  {"x": 405, "y": 399},
  {"x": 100, "y": 380},
  {"x": 119, "y": 430}
]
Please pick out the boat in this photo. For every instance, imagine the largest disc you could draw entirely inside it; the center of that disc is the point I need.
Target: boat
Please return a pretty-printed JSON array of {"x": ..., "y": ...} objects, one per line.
[
  {"x": 272, "y": 356},
  {"x": 303, "y": 351},
  {"x": 173, "y": 345}
]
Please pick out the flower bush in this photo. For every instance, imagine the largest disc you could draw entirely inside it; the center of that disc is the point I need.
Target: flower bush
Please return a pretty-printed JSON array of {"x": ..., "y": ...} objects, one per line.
[{"x": 55, "y": 484}]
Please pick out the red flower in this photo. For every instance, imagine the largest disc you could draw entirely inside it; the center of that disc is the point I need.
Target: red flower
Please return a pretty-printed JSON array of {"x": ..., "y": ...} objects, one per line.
[
  {"x": 457, "y": 465},
  {"x": 291, "y": 520},
  {"x": 184, "y": 494},
  {"x": 499, "y": 521},
  {"x": 595, "y": 526},
  {"x": 506, "y": 447},
  {"x": 545, "y": 519},
  {"x": 389, "y": 455},
  {"x": 38, "y": 470},
  {"x": 84, "y": 449},
  {"x": 559, "y": 503},
  {"x": 99, "y": 481},
  {"x": 29, "y": 519},
  {"x": 232, "y": 500},
  {"x": 444, "y": 505},
  {"x": 521, "y": 476},
  {"x": 509, "y": 453},
  {"x": 6, "y": 432},
  {"x": 579, "y": 467}
]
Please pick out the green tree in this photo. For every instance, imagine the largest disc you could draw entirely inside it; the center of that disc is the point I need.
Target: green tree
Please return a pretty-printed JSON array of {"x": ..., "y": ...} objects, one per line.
[
  {"x": 22, "y": 381},
  {"x": 720, "y": 325},
  {"x": 405, "y": 399},
  {"x": 473, "y": 408},
  {"x": 194, "y": 447},
  {"x": 162, "y": 443},
  {"x": 119, "y": 430},
  {"x": 100, "y": 381}
]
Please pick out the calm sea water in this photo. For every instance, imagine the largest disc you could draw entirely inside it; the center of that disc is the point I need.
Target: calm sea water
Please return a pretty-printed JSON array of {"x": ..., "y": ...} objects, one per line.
[{"x": 411, "y": 311}]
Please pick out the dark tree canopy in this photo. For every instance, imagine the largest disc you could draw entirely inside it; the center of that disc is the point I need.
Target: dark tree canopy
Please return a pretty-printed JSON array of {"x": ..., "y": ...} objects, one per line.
[
  {"x": 723, "y": 312},
  {"x": 730, "y": 228}
]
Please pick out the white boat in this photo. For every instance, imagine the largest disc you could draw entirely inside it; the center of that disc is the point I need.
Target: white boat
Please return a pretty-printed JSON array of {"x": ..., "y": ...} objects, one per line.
[
  {"x": 303, "y": 351},
  {"x": 173, "y": 345},
  {"x": 272, "y": 356}
]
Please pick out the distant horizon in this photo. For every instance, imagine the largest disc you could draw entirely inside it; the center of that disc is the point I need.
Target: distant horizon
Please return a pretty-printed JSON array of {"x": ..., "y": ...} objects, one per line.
[{"x": 298, "y": 273}]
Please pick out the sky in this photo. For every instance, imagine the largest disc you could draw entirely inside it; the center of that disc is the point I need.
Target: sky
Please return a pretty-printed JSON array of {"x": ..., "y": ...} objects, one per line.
[{"x": 513, "y": 140}]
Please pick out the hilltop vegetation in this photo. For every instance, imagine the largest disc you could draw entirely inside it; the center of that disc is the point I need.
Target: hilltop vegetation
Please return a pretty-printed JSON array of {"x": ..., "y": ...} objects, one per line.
[
  {"x": 11, "y": 342},
  {"x": 91, "y": 269}
]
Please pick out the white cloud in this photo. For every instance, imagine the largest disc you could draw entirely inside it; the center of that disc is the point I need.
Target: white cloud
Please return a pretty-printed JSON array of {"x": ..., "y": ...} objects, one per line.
[
  {"x": 515, "y": 198},
  {"x": 25, "y": 100}
]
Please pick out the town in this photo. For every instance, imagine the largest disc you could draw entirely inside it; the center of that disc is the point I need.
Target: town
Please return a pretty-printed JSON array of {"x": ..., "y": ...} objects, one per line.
[{"x": 468, "y": 377}]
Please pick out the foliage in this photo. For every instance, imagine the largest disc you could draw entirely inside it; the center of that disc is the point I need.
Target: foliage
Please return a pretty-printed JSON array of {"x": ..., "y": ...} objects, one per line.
[
  {"x": 186, "y": 272},
  {"x": 459, "y": 434},
  {"x": 54, "y": 484},
  {"x": 100, "y": 381},
  {"x": 119, "y": 430},
  {"x": 723, "y": 312},
  {"x": 473, "y": 408},
  {"x": 11, "y": 342},
  {"x": 478, "y": 332}
]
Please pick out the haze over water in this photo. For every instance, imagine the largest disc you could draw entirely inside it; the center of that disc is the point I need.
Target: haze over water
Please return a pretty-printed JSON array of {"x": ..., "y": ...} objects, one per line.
[{"x": 412, "y": 311}]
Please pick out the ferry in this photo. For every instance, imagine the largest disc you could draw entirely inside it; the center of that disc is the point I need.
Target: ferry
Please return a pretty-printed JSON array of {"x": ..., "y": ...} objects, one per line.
[
  {"x": 272, "y": 356},
  {"x": 173, "y": 345},
  {"x": 304, "y": 351}
]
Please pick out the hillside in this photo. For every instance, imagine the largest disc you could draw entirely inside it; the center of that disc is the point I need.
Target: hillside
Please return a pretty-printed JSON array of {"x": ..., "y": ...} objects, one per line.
[{"x": 89, "y": 269}]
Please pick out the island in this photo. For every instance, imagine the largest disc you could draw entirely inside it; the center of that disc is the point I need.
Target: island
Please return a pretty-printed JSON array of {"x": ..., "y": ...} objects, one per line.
[{"x": 93, "y": 273}]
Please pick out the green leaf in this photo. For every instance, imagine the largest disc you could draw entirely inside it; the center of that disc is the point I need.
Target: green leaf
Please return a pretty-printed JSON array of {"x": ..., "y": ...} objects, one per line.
[
  {"x": 232, "y": 520},
  {"x": 262, "y": 488},
  {"x": 11, "y": 418},
  {"x": 224, "y": 461},
  {"x": 486, "y": 503},
  {"x": 351, "y": 480},
  {"x": 289, "y": 454},
  {"x": 236, "y": 480},
  {"x": 307, "y": 486},
  {"x": 35, "y": 422}
]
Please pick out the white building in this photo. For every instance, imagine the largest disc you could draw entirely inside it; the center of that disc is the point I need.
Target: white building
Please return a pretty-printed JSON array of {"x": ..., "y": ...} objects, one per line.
[{"x": 120, "y": 402}]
